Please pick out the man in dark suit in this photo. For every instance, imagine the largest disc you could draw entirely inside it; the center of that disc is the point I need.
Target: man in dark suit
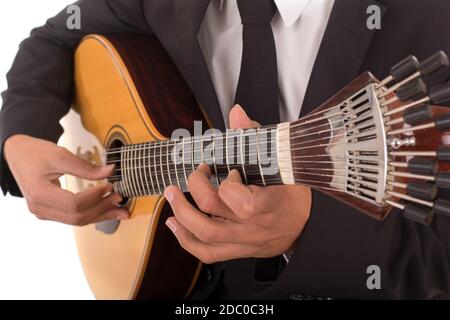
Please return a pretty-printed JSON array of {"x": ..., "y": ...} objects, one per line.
[{"x": 329, "y": 246}]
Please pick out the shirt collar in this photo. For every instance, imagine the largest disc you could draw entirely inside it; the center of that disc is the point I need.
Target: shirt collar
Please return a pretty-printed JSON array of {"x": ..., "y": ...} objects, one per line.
[{"x": 291, "y": 10}]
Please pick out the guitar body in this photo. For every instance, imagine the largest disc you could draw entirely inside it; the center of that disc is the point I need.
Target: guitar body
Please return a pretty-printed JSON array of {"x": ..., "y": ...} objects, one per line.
[{"x": 128, "y": 91}]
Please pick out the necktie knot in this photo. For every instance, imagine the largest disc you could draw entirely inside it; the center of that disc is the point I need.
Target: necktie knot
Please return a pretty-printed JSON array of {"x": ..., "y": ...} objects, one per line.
[{"x": 256, "y": 11}]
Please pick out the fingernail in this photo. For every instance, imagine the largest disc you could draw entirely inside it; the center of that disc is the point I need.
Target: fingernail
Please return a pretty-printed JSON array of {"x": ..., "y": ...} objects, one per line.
[
  {"x": 123, "y": 217},
  {"x": 169, "y": 195},
  {"x": 234, "y": 176},
  {"x": 238, "y": 106},
  {"x": 171, "y": 225},
  {"x": 117, "y": 200},
  {"x": 108, "y": 167}
]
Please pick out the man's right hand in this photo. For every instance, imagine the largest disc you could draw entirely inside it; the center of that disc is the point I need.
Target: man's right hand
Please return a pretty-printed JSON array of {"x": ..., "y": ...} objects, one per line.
[{"x": 37, "y": 166}]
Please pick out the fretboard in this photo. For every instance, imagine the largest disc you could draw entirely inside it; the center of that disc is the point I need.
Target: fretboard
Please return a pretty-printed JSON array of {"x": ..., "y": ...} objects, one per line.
[{"x": 148, "y": 168}]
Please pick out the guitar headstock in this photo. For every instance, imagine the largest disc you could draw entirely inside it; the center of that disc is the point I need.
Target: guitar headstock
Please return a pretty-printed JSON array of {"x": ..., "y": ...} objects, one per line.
[{"x": 379, "y": 145}]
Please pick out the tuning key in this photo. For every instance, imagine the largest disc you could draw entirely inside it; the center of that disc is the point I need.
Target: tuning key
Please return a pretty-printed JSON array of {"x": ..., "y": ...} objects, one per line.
[
  {"x": 401, "y": 70},
  {"x": 420, "y": 214},
  {"x": 442, "y": 207},
  {"x": 425, "y": 191},
  {"x": 440, "y": 94},
  {"x": 434, "y": 63},
  {"x": 417, "y": 115}
]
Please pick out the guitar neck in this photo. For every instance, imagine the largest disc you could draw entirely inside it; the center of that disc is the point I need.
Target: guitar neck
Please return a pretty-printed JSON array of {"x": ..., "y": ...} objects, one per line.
[{"x": 262, "y": 157}]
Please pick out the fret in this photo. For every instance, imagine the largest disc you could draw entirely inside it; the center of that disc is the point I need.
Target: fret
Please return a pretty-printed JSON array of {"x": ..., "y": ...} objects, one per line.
[
  {"x": 134, "y": 161},
  {"x": 155, "y": 166},
  {"x": 202, "y": 141},
  {"x": 161, "y": 164},
  {"x": 167, "y": 160},
  {"x": 259, "y": 157},
  {"x": 192, "y": 153},
  {"x": 183, "y": 161},
  {"x": 242, "y": 149},
  {"x": 123, "y": 168},
  {"x": 149, "y": 166},
  {"x": 214, "y": 158},
  {"x": 130, "y": 171},
  {"x": 175, "y": 165},
  {"x": 139, "y": 168},
  {"x": 226, "y": 151}
]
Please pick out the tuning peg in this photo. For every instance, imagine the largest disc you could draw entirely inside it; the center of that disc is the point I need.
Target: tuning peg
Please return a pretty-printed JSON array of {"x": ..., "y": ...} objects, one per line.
[
  {"x": 423, "y": 213},
  {"x": 421, "y": 165},
  {"x": 440, "y": 94},
  {"x": 442, "y": 123},
  {"x": 412, "y": 90},
  {"x": 418, "y": 214},
  {"x": 434, "y": 63},
  {"x": 425, "y": 191},
  {"x": 414, "y": 116},
  {"x": 442, "y": 207},
  {"x": 442, "y": 153},
  {"x": 442, "y": 180},
  {"x": 420, "y": 190},
  {"x": 401, "y": 70},
  {"x": 404, "y": 68},
  {"x": 417, "y": 115},
  {"x": 427, "y": 67}
]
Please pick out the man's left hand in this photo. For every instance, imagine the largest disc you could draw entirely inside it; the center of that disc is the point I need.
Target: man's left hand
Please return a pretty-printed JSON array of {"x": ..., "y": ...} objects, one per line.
[{"x": 235, "y": 220}]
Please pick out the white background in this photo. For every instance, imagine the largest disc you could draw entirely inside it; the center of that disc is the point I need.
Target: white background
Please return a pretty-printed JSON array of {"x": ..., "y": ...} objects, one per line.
[{"x": 38, "y": 260}]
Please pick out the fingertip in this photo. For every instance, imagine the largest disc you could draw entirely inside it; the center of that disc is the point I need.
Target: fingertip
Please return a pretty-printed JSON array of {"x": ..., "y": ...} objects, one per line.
[
  {"x": 170, "y": 192},
  {"x": 170, "y": 222},
  {"x": 204, "y": 168},
  {"x": 108, "y": 168},
  {"x": 123, "y": 215},
  {"x": 239, "y": 118},
  {"x": 235, "y": 176}
]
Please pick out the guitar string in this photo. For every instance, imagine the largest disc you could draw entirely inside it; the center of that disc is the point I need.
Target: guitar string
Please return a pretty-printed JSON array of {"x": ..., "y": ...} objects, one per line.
[
  {"x": 172, "y": 143},
  {"x": 140, "y": 182},
  {"x": 293, "y": 125}
]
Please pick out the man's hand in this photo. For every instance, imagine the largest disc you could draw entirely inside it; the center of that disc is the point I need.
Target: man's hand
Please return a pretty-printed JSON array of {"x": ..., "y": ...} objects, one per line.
[
  {"x": 246, "y": 221},
  {"x": 37, "y": 165}
]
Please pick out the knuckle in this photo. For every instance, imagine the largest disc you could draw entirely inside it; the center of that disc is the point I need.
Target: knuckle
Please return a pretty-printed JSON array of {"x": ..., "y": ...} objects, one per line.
[
  {"x": 267, "y": 220},
  {"x": 207, "y": 204},
  {"x": 73, "y": 207},
  {"x": 61, "y": 154},
  {"x": 32, "y": 208},
  {"x": 207, "y": 258},
  {"x": 76, "y": 220},
  {"x": 33, "y": 195},
  {"x": 207, "y": 235},
  {"x": 248, "y": 209}
]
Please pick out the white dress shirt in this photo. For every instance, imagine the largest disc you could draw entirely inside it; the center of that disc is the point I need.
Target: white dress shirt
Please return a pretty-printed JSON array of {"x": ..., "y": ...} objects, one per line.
[{"x": 298, "y": 28}]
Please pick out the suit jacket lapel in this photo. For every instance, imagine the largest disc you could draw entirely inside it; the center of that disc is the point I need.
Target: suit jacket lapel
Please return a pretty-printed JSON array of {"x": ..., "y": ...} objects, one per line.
[
  {"x": 342, "y": 51},
  {"x": 176, "y": 23}
]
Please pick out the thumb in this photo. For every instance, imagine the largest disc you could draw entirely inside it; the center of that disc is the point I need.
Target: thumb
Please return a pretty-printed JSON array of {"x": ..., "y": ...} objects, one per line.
[
  {"x": 73, "y": 165},
  {"x": 240, "y": 120}
]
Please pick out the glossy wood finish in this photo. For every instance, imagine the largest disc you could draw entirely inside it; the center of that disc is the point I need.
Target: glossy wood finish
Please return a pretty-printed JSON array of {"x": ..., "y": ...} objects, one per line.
[{"x": 138, "y": 260}]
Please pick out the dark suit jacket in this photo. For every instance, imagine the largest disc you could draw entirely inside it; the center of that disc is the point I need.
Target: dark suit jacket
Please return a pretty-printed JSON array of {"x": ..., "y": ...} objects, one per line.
[{"x": 338, "y": 243}]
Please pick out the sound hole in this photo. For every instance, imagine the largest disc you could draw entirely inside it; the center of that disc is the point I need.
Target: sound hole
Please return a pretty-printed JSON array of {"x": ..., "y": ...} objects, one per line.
[
  {"x": 111, "y": 226},
  {"x": 114, "y": 157}
]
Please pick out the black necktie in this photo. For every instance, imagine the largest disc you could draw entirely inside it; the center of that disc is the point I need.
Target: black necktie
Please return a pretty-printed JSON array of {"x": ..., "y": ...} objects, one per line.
[{"x": 257, "y": 90}]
